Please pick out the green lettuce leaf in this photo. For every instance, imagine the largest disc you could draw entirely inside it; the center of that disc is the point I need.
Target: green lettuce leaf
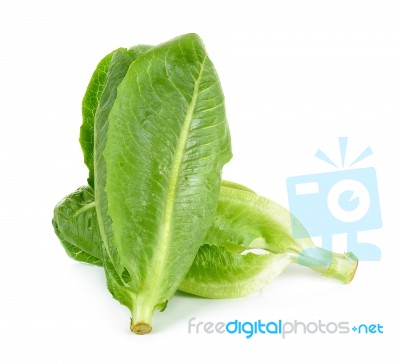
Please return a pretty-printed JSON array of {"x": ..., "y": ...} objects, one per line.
[
  {"x": 220, "y": 273},
  {"x": 90, "y": 103},
  {"x": 166, "y": 143},
  {"x": 75, "y": 224},
  {"x": 120, "y": 62},
  {"x": 251, "y": 221}
]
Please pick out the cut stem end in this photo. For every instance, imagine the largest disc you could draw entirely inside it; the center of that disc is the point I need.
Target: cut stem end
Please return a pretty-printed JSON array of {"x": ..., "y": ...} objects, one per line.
[
  {"x": 343, "y": 267},
  {"x": 340, "y": 266},
  {"x": 141, "y": 328}
]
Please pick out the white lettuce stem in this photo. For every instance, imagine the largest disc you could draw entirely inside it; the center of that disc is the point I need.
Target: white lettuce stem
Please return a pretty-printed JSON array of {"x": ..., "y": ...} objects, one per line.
[
  {"x": 141, "y": 320},
  {"x": 335, "y": 265}
]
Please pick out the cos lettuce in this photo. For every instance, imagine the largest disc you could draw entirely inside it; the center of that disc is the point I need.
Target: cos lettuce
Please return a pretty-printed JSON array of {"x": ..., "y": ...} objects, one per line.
[{"x": 154, "y": 215}]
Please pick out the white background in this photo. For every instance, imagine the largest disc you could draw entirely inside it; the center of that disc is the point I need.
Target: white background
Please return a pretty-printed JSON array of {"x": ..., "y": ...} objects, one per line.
[{"x": 296, "y": 75}]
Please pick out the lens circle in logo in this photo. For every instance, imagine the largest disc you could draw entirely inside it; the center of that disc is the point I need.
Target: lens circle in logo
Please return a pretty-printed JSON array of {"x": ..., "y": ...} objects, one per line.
[{"x": 348, "y": 200}]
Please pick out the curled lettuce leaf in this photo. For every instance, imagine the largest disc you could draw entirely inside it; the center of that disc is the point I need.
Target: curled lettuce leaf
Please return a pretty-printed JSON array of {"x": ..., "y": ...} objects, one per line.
[{"x": 75, "y": 224}]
